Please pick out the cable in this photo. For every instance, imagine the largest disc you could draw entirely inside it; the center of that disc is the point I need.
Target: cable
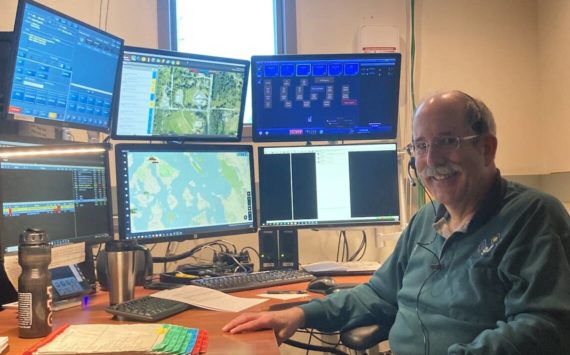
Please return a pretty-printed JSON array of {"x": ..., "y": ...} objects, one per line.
[
  {"x": 436, "y": 267},
  {"x": 361, "y": 249},
  {"x": 421, "y": 189},
  {"x": 107, "y": 15},
  {"x": 220, "y": 243},
  {"x": 100, "y": 8}
]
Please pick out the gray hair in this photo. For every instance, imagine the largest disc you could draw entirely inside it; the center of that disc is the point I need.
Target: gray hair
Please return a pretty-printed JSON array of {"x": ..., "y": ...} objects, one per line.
[{"x": 479, "y": 117}]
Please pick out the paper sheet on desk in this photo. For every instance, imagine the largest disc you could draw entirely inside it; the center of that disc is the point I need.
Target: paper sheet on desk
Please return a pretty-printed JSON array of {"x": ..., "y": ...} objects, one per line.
[
  {"x": 207, "y": 298},
  {"x": 283, "y": 296},
  {"x": 61, "y": 256},
  {"x": 104, "y": 338},
  {"x": 3, "y": 343}
]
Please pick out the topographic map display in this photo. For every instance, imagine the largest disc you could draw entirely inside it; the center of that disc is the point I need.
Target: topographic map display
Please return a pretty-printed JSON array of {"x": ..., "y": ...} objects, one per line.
[
  {"x": 197, "y": 102},
  {"x": 173, "y": 190}
]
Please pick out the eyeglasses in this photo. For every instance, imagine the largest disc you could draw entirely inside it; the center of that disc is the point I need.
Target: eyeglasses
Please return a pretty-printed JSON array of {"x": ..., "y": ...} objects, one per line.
[{"x": 442, "y": 144}]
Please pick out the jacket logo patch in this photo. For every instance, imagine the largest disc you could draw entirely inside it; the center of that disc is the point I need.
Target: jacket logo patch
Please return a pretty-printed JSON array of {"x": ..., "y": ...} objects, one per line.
[{"x": 488, "y": 244}]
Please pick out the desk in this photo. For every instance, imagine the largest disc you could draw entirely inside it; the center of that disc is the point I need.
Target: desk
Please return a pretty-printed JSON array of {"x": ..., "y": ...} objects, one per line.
[{"x": 261, "y": 342}]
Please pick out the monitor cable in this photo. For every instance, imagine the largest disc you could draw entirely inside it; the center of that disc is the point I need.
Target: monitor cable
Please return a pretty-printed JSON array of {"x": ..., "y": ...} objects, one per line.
[
  {"x": 361, "y": 248},
  {"x": 342, "y": 247},
  {"x": 191, "y": 252}
]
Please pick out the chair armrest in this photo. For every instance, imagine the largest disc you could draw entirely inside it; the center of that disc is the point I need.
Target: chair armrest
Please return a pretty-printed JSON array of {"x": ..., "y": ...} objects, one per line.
[{"x": 364, "y": 337}]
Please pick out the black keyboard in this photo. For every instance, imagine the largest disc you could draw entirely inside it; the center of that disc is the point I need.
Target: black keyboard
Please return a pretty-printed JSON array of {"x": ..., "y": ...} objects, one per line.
[
  {"x": 253, "y": 280},
  {"x": 147, "y": 309}
]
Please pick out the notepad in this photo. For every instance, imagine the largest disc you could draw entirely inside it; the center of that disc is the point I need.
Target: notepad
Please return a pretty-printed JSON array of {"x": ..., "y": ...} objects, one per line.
[{"x": 123, "y": 338}]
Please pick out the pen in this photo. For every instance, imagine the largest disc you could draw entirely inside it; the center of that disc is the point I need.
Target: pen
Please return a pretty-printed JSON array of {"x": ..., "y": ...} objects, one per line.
[{"x": 285, "y": 292}]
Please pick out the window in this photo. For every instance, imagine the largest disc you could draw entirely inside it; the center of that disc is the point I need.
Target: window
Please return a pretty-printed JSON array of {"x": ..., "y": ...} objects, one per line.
[{"x": 228, "y": 28}]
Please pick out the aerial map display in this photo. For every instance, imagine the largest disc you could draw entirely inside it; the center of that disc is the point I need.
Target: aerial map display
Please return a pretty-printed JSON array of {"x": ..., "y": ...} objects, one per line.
[
  {"x": 177, "y": 190},
  {"x": 202, "y": 102}
]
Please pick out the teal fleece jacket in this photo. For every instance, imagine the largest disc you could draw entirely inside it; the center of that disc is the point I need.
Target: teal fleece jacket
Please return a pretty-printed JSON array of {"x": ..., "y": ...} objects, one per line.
[{"x": 500, "y": 287}]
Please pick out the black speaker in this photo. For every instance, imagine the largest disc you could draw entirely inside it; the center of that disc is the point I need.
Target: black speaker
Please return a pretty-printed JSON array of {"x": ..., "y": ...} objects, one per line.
[
  {"x": 288, "y": 249},
  {"x": 268, "y": 250},
  {"x": 278, "y": 249}
]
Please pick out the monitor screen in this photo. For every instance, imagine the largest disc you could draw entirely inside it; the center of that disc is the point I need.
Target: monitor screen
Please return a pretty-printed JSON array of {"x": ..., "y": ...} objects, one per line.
[
  {"x": 325, "y": 97},
  {"x": 172, "y": 192},
  {"x": 63, "y": 72},
  {"x": 63, "y": 190},
  {"x": 180, "y": 96},
  {"x": 328, "y": 186}
]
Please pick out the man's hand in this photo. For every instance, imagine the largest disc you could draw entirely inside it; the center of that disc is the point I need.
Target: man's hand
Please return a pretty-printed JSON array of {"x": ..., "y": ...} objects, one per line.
[{"x": 284, "y": 323}]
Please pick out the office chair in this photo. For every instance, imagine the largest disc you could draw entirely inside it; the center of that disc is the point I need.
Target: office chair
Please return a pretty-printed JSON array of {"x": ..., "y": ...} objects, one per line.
[
  {"x": 365, "y": 337},
  {"x": 359, "y": 339}
]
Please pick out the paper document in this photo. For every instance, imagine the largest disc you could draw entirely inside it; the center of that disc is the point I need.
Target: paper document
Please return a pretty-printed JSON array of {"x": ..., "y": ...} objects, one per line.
[
  {"x": 283, "y": 296},
  {"x": 3, "y": 343},
  {"x": 207, "y": 298},
  {"x": 341, "y": 268},
  {"x": 61, "y": 256},
  {"x": 122, "y": 339}
]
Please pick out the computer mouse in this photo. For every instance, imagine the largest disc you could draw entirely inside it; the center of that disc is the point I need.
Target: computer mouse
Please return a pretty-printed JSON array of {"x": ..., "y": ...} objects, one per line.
[{"x": 321, "y": 284}]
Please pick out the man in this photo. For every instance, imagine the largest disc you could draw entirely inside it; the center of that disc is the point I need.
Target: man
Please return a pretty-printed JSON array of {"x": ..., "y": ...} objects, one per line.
[{"x": 485, "y": 270}]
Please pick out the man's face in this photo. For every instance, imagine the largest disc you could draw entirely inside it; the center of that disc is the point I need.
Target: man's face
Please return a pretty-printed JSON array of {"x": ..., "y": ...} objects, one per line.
[{"x": 454, "y": 176}]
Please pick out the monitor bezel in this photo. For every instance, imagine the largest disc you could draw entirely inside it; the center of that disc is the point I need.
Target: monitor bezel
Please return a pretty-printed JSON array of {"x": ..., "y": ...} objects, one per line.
[
  {"x": 184, "y": 138},
  {"x": 197, "y": 147},
  {"x": 15, "y": 39},
  {"x": 333, "y": 224},
  {"x": 329, "y": 137},
  {"x": 89, "y": 241},
  {"x": 30, "y": 141}
]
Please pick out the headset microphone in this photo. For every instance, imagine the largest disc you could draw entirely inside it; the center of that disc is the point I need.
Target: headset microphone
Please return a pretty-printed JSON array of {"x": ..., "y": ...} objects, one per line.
[{"x": 412, "y": 165}]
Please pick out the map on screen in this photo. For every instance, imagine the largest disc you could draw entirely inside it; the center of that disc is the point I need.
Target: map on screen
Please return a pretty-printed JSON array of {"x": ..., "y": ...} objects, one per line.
[
  {"x": 201, "y": 103},
  {"x": 176, "y": 190}
]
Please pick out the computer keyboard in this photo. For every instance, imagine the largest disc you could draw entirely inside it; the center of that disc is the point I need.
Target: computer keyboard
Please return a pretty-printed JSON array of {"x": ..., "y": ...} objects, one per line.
[
  {"x": 147, "y": 309},
  {"x": 253, "y": 280}
]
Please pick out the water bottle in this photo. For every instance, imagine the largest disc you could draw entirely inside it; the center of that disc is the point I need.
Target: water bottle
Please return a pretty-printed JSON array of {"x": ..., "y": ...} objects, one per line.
[{"x": 34, "y": 285}]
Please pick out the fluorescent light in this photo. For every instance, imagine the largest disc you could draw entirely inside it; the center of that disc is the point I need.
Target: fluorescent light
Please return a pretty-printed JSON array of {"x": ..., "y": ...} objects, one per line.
[{"x": 55, "y": 151}]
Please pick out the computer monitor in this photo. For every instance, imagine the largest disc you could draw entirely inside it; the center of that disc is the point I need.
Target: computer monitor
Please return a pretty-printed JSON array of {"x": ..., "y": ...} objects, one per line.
[
  {"x": 325, "y": 97},
  {"x": 179, "y": 96},
  {"x": 320, "y": 186},
  {"x": 61, "y": 189},
  {"x": 61, "y": 71},
  {"x": 170, "y": 192}
]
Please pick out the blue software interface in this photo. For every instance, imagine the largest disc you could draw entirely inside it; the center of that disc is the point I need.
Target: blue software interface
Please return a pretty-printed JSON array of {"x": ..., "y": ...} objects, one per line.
[
  {"x": 65, "y": 71},
  {"x": 325, "y": 97}
]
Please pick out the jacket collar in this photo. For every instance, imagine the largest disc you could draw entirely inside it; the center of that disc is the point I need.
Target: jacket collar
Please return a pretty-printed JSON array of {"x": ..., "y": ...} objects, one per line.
[{"x": 488, "y": 208}]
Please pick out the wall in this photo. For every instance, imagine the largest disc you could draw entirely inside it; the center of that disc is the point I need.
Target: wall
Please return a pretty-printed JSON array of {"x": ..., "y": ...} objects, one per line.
[
  {"x": 488, "y": 49},
  {"x": 133, "y": 20},
  {"x": 554, "y": 117}
]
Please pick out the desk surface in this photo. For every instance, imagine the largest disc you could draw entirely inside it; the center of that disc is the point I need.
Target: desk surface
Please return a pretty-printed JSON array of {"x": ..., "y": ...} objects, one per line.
[{"x": 261, "y": 342}]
